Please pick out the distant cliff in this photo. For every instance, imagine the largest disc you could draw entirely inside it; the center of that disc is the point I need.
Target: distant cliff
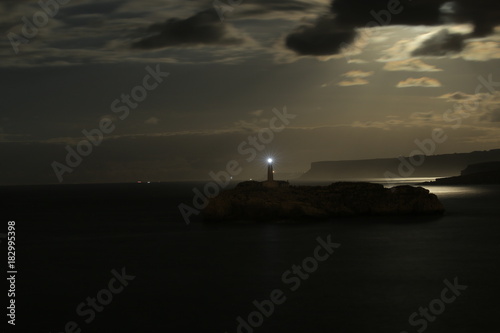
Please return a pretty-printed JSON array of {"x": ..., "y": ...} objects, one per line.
[
  {"x": 418, "y": 166},
  {"x": 255, "y": 202}
]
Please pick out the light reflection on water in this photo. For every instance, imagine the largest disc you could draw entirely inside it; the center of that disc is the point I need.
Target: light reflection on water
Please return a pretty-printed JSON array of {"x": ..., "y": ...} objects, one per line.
[{"x": 454, "y": 190}]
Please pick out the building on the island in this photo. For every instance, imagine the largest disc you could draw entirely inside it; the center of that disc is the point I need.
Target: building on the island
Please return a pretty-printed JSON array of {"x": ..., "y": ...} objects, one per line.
[
  {"x": 270, "y": 182},
  {"x": 270, "y": 170}
]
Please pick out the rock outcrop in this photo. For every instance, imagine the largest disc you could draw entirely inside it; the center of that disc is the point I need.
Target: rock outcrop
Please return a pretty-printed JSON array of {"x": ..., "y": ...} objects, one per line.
[{"x": 251, "y": 201}]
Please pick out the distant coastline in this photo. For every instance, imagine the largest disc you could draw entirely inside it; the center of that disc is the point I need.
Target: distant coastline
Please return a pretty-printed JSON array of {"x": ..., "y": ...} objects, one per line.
[{"x": 445, "y": 165}]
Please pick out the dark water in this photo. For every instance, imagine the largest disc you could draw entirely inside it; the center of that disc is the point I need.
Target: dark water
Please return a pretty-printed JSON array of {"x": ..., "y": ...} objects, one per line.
[{"x": 200, "y": 278}]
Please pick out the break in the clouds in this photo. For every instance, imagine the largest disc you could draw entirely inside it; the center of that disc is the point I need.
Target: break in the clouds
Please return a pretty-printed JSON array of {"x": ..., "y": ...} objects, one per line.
[
  {"x": 425, "y": 82},
  {"x": 410, "y": 65}
]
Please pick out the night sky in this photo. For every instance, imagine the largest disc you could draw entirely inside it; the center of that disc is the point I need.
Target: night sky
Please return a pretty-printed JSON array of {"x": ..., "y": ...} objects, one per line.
[{"x": 177, "y": 89}]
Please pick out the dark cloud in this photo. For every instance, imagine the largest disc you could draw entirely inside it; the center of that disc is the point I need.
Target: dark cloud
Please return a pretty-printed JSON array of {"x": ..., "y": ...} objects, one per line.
[
  {"x": 484, "y": 14},
  {"x": 359, "y": 13},
  {"x": 441, "y": 44},
  {"x": 322, "y": 38},
  {"x": 104, "y": 8},
  {"x": 263, "y": 7},
  {"x": 280, "y": 5},
  {"x": 203, "y": 28},
  {"x": 13, "y": 3},
  {"x": 345, "y": 16}
]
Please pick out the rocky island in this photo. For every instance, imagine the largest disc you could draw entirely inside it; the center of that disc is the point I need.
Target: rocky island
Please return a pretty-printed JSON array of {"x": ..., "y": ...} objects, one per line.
[{"x": 272, "y": 200}]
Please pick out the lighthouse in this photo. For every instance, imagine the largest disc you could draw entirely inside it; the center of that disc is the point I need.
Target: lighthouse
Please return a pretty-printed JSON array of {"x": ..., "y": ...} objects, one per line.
[
  {"x": 270, "y": 170},
  {"x": 270, "y": 182}
]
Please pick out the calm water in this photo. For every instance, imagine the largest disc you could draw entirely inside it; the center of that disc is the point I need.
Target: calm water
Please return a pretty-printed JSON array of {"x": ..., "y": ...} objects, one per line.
[{"x": 200, "y": 278}]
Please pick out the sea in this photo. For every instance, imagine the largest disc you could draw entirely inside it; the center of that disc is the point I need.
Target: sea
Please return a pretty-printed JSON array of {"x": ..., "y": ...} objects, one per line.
[{"x": 121, "y": 258}]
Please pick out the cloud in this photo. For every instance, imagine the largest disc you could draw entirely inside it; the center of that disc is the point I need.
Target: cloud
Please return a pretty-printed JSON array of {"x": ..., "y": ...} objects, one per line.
[
  {"x": 334, "y": 31},
  {"x": 426, "y": 82},
  {"x": 440, "y": 44},
  {"x": 323, "y": 37},
  {"x": 481, "y": 51},
  {"x": 354, "y": 78},
  {"x": 457, "y": 96},
  {"x": 357, "y": 61},
  {"x": 424, "y": 117},
  {"x": 152, "y": 121},
  {"x": 331, "y": 30},
  {"x": 410, "y": 65},
  {"x": 203, "y": 28},
  {"x": 353, "y": 82},
  {"x": 357, "y": 74},
  {"x": 292, "y": 10},
  {"x": 437, "y": 43},
  {"x": 482, "y": 107}
]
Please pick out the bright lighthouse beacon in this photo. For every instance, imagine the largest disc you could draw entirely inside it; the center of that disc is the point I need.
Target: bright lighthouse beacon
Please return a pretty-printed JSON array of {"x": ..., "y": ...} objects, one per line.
[
  {"x": 270, "y": 170},
  {"x": 270, "y": 182}
]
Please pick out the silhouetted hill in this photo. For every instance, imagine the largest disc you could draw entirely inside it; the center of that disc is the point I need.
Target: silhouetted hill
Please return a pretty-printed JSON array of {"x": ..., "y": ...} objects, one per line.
[
  {"x": 474, "y": 174},
  {"x": 417, "y": 166},
  {"x": 481, "y": 167},
  {"x": 480, "y": 178}
]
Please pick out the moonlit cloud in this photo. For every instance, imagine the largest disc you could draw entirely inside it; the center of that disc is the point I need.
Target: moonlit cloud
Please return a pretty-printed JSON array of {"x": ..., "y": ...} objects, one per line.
[
  {"x": 353, "y": 82},
  {"x": 458, "y": 96},
  {"x": 481, "y": 51},
  {"x": 410, "y": 65},
  {"x": 426, "y": 82},
  {"x": 358, "y": 74}
]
